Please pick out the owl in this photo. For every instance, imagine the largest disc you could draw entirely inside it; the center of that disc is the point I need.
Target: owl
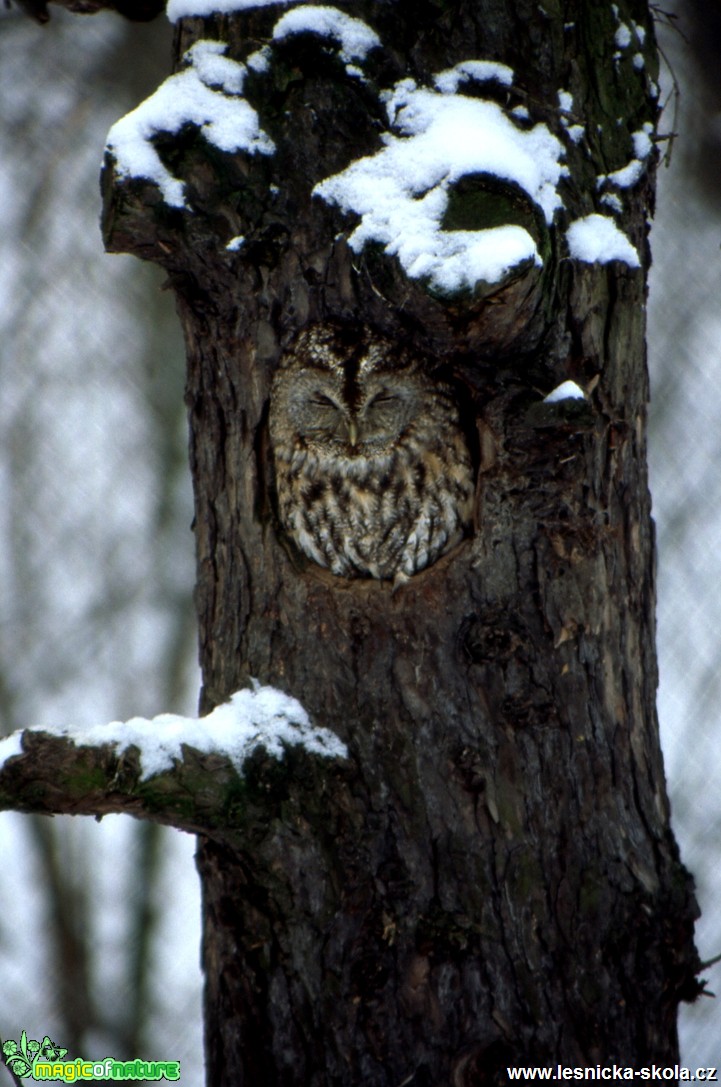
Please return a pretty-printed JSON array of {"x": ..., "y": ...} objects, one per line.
[{"x": 373, "y": 473}]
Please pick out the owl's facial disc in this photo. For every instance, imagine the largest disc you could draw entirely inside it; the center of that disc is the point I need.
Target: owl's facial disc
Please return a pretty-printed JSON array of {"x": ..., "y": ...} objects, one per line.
[
  {"x": 332, "y": 421},
  {"x": 384, "y": 416}
]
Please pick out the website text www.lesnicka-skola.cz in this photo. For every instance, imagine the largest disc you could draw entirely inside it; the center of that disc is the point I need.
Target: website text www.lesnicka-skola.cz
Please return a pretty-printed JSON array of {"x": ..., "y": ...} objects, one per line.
[{"x": 653, "y": 1073}]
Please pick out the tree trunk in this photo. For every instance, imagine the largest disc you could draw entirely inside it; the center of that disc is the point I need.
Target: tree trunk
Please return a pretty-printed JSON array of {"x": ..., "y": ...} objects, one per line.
[{"x": 490, "y": 878}]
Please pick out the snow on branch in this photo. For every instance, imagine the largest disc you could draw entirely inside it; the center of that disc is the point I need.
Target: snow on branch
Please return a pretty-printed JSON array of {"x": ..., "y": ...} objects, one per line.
[
  {"x": 173, "y": 769},
  {"x": 437, "y": 137},
  {"x": 207, "y": 94},
  {"x": 408, "y": 198}
]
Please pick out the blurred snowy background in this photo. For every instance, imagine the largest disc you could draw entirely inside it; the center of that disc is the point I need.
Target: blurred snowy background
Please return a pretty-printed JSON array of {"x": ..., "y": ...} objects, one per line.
[
  {"x": 99, "y": 922},
  {"x": 685, "y": 453}
]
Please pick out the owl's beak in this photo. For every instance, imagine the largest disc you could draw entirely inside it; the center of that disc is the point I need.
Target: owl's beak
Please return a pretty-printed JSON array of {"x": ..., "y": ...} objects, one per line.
[{"x": 353, "y": 433}]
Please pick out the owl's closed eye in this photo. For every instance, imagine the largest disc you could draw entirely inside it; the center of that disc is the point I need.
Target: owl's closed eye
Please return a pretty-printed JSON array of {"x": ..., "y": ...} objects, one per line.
[{"x": 373, "y": 473}]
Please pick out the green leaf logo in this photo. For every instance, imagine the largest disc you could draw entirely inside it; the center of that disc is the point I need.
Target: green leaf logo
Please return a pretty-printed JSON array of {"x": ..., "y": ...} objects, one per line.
[
  {"x": 20, "y": 1058},
  {"x": 50, "y": 1051}
]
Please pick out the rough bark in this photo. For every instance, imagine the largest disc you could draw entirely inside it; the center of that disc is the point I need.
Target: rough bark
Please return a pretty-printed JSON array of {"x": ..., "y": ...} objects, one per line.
[{"x": 492, "y": 880}]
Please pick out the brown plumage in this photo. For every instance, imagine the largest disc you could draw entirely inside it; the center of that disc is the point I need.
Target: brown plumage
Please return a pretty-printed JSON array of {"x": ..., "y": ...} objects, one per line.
[{"x": 372, "y": 469}]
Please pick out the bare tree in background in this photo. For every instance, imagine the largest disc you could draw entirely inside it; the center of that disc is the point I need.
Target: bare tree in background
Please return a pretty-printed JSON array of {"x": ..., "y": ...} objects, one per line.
[
  {"x": 685, "y": 364},
  {"x": 96, "y": 549},
  {"x": 490, "y": 878}
]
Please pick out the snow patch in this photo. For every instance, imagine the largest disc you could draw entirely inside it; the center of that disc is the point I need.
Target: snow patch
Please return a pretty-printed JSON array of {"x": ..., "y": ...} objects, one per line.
[
  {"x": 626, "y": 36},
  {"x": 625, "y": 178},
  {"x": 10, "y": 746},
  {"x": 181, "y": 9},
  {"x": 622, "y": 37},
  {"x": 401, "y": 192},
  {"x": 630, "y": 174},
  {"x": 259, "y": 61},
  {"x": 480, "y": 71},
  {"x": 612, "y": 201},
  {"x": 356, "y": 37},
  {"x": 565, "y": 101},
  {"x": 205, "y": 94},
  {"x": 596, "y": 239},
  {"x": 253, "y": 719},
  {"x": 213, "y": 68},
  {"x": 642, "y": 142},
  {"x": 567, "y": 390},
  {"x": 575, "y": 132}
]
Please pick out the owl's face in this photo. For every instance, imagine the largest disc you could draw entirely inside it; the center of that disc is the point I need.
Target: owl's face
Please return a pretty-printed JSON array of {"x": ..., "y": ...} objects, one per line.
[{"x": 358, "y": 418}]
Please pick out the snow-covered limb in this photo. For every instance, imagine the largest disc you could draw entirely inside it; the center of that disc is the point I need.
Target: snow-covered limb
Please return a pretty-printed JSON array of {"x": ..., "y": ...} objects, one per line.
[
  {"x": 207, "y": 93},
  {"x": 262, "y": 717},
  {"x": 176, "y": 770}
]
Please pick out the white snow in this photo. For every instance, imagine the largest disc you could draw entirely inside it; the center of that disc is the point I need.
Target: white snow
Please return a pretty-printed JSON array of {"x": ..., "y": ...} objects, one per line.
[
  {"x": 622, "y": 37},
  {"x": 206, "y": 94},
  {"x": 481, "y": 71},
  {"x": 213, "y": 68},
  {"x": 260, "y": 718},
  {"x": 259, "y": 61},
  {"x": 356, "y": 37},
  {"x": 642, "y": 142},
  {"x": 627, "y": 176},
  {"x": 567, "y": 390},
  {"x": 630, "y": 174},
  {"x": 10, "y": 746},
  {"x": 401, "y": 192},
  {"x": 576, "y": 132},
  {"x": 612, "y": 201},
  {"x": 180, "y": 9},
  {"x": 596, "y": 239}
]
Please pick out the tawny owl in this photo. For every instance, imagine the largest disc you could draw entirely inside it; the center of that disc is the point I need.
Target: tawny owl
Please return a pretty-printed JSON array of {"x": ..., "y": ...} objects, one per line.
[{"x": 373, "y": 473}]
